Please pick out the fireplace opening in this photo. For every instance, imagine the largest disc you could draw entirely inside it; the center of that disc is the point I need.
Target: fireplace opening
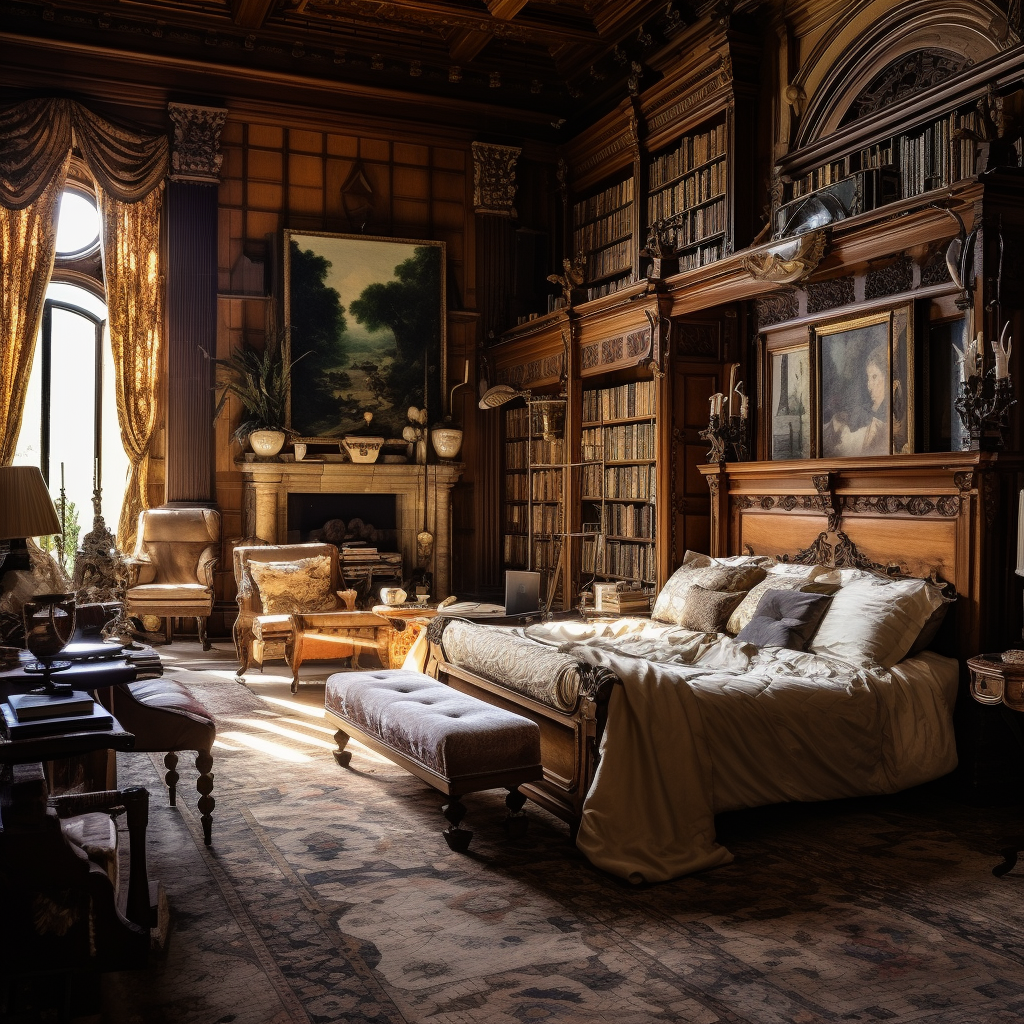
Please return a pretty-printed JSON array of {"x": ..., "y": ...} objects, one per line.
[{"x": 341, "y": 519}]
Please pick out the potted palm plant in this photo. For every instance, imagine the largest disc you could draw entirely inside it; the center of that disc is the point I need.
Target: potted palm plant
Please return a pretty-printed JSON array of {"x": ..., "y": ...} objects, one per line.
[{"x": 260, "y": 380}]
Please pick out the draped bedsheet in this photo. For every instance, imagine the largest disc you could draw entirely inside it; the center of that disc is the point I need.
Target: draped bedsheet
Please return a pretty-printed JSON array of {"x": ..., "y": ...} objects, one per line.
[{"x": 703, "y": 724}]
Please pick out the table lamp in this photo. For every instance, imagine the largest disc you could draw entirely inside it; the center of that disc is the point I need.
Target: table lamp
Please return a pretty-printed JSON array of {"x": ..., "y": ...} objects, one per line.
[{"x": 26, "y": 510}]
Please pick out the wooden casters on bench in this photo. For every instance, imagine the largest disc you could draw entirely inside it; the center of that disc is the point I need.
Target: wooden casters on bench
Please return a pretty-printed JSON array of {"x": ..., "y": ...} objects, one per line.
[{"x": 453, "y": 742}]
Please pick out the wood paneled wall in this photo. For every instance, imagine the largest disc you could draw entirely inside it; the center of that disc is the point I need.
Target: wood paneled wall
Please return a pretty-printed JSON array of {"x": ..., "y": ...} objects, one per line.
[{"x": 275, "y": 176}]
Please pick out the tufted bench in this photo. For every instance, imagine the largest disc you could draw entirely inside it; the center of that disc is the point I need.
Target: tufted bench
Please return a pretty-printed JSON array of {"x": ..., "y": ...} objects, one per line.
[{"x": 452, "y": 741}]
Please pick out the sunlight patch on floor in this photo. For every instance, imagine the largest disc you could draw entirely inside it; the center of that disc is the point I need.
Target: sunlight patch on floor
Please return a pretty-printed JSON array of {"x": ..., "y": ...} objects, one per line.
[
  {"x": 224, "y": 746},
  {"x": 281, "y": 731},
  {"x": 294, "y": 706},
  {"x": 275, "y": 750},
  {"x": 309, "y": 725}
]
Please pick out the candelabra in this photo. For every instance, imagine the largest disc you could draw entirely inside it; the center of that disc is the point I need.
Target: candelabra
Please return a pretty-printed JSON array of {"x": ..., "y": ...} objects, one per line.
[
  {"x": 984, "y": 402},
  {"x": 725, "y": 433}
]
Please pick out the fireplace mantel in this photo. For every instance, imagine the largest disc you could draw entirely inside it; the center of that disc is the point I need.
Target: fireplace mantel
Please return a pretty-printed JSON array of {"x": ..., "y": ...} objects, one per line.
[{"x": 267, "y": 484}]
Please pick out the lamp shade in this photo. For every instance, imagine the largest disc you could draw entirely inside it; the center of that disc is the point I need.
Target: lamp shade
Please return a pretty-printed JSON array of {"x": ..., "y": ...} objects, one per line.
[{"x": 26, "y": 509}]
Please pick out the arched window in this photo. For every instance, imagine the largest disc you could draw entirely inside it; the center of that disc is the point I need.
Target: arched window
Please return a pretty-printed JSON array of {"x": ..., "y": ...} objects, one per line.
[{"x": 69, "y": 428}]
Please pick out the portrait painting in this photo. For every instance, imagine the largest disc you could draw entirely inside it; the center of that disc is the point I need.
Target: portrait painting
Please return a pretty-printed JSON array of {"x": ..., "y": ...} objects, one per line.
[
  {"x": 790, "y": 396},
  {"x": 364, "y": 325},
  {"x": 865, "y": 396}
]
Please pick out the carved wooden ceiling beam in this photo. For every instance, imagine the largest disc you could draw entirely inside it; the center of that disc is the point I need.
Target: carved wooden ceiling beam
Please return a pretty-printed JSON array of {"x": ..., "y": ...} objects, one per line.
[{"x": 505, "y": 9}]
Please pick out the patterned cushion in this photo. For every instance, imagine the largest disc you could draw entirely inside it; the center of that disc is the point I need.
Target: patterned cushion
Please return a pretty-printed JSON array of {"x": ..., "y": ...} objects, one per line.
[
  {"x": 707, "y": 610},
  {"x": 287, "y": 588},
  {"x": 671, "y": 603}
]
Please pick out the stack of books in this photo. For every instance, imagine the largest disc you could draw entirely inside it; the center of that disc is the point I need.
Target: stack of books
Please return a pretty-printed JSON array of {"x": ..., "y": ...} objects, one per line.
[
  {"x": 44, "y": 714},
  {"x": 620, "y": 599}
]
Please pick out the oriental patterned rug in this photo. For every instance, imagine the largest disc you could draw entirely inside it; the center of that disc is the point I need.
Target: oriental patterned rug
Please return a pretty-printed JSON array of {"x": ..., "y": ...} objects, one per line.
[{"x": 330, "y": 895}]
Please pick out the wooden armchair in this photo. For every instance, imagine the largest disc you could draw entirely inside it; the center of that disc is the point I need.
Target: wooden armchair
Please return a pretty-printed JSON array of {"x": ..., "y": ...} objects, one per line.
[{"x": 59, "y": 879}]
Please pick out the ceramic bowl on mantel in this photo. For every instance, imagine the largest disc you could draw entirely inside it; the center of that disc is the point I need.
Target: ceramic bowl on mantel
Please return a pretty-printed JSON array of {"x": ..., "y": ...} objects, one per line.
[
  {"x": 363, "y": 449},
  {"x": 267, "y": 443},
  {"x": 447, "y": 441}
]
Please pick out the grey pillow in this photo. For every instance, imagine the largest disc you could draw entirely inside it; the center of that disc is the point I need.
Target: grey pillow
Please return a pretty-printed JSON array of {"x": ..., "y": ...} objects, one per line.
[{"x": 785, "y": 618}]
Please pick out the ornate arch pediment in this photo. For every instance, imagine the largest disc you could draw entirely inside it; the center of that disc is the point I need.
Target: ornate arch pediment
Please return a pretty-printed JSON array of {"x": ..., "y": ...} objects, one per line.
[{"x": 880, "y": 53}]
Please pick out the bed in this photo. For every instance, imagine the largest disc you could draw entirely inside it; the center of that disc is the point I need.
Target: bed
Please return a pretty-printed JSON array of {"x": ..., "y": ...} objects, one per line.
[{"x": 650, "y": 728}]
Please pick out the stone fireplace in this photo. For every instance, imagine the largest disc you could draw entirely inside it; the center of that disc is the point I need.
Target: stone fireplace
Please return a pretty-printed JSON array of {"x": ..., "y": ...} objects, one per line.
[{"x": 419, "y": 491}]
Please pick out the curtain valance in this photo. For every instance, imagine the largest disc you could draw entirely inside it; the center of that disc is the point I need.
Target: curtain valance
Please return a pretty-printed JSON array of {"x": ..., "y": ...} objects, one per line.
[{"x": 37, "y": 135}]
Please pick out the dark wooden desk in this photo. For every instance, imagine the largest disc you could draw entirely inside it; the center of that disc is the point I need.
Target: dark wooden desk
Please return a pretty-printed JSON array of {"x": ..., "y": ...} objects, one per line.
[{"x": 994, "y": 681}]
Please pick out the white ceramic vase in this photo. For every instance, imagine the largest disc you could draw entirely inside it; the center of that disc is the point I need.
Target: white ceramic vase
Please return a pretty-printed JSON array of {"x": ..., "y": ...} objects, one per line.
[
  {"x": 447, "y": 441},
  {"x": 267, "y": 443}
]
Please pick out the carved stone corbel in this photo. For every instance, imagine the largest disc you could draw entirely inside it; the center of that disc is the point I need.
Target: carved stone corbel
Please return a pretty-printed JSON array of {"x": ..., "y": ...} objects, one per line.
[
  {"x": 494, "y": 179},
  {"x": 787, "y": 261},
  {"x": 195, "y": 154}
]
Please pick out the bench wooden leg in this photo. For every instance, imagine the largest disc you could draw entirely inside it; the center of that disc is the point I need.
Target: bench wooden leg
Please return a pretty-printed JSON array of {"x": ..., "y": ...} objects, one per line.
[
  {"x": 341, "y": 755},
  {"x": 456, "y": 838},
  {"x": 517, "y": 822},
  {"x": 204, "y": 785},
  {"x": 171, "y": 777}
]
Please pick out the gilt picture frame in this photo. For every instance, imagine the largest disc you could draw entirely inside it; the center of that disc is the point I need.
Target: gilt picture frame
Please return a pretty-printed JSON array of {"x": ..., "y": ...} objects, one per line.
[
  {"x": 864, "y": 384},
  {"x": 363, "y": 329}
]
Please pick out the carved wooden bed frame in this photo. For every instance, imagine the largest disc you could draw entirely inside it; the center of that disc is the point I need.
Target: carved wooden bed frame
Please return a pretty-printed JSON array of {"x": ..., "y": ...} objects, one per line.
[{"x": 950, "y": 516}]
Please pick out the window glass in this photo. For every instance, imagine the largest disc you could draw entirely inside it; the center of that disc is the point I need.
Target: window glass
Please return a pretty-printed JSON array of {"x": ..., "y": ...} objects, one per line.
[{"x": 78, "y": 229}]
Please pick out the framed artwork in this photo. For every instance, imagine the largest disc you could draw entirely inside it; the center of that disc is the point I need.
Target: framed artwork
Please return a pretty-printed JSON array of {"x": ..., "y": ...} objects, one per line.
[
  {"x": 364, "y": 330},
  {"x": 789, "y": 402},
  {"x": 865, "y": 396}
]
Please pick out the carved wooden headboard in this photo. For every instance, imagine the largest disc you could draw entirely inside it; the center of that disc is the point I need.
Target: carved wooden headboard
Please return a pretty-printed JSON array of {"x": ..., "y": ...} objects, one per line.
[{"x": 947, "y": 514}]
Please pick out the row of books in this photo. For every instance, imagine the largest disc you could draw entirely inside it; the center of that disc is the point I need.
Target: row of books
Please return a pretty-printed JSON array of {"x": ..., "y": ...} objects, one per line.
[
  {"x": 517, "y": 422},
  {"x": 603, "y": 203},
  {"x": 698, "y": 188},
  {"x": 692, "y": 151},
  {"x": 601, "y": 232},
  {"x": 621, "y": 520},
  {"x": 702, "y": 223},
  {"x": 619, "y": 403},
  {"x": 599, "y": 291},
  {"x": 931, "y": 156},
  {"x": 701, "y": 257},
  {"x": 542, "y": 519},
  {"x": 619, "y": 441},
  {"x": 630, "y": 482},
  {"x": 622, "y": 559},
  {"x": 546, "y": 485},
  {"x": 517, "y": 486},
  {"x": 615, "y": 259},
  {"x": 516, "y": 549},
  {"x": 523, "y": 454}
]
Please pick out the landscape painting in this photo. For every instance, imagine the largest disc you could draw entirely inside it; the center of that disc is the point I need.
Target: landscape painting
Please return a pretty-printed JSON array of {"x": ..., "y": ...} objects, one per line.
[{"x": 364, "y": 331}]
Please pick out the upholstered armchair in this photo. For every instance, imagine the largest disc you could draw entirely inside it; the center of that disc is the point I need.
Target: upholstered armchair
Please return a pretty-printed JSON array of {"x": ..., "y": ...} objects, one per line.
[
  {"x": 290, "y": 601},
  {"x": 176, "y": 552}
]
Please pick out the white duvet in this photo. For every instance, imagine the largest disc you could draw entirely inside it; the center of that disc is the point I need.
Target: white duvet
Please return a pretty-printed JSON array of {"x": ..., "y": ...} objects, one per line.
[{"x": 704, "y": 724}]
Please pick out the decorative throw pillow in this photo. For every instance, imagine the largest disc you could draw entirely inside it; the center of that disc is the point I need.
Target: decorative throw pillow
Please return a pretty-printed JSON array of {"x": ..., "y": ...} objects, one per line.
[
  {"x": 672, "y": 600},
  {"x": 785, "y": 618},
  {"x": 876, "y": 621},
  {"x": 287, "y": 588},
  {"x": 746, "y": 609},
  {"x": 706, "y": 610}
]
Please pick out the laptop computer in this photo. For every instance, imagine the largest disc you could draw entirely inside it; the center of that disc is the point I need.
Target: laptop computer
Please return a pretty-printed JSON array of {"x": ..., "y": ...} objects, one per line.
[{"x": 522, "y": 592}]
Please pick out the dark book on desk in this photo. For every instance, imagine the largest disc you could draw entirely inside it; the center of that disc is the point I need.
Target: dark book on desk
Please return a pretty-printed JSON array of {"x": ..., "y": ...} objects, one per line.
[
  {"x": 97, "y": 719},
  {"x": 44, "y": 705}
]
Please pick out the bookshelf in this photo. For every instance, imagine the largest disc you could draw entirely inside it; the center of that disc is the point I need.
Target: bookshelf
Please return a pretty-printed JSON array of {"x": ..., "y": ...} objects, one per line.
[
  {"x": 618, "y": 456},
  {"x": 688, "y": 192},
  {"x": 534, "y": 505},
  {"x": 603, "y": 230}
]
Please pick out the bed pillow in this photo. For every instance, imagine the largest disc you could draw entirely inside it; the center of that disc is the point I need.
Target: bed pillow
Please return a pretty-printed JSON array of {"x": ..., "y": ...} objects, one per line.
[
  {"x": 876, "y": 621},
  {"x": 930, "y": 630},
  {"x": 288, "y": 588},
  {"x": 747, "y": 608},
  {"x": 706, "y": 611},
  {"x": 785, "y": 618},
  {"x": 671, "y": 603}
]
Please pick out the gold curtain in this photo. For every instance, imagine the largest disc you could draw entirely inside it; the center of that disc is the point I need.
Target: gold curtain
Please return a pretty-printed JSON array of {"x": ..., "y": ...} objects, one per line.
[
  {"x": 130, "y": 245},
  {"x": 28, "y": 240}
]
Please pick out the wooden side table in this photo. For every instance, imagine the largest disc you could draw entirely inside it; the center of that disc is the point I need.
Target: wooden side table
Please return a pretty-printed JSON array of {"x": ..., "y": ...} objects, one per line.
[{"x": 994, "y": 681}]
